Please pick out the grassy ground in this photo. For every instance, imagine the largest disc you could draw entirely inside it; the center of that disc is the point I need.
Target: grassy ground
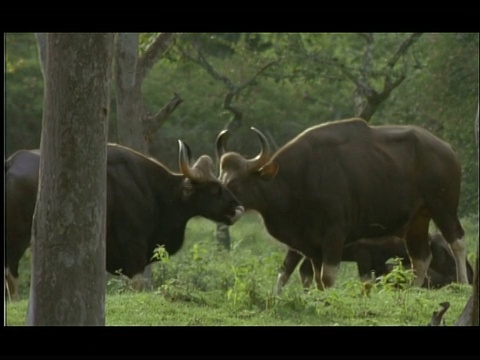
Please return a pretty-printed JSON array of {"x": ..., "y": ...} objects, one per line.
[{"x": 206, "y": 285}]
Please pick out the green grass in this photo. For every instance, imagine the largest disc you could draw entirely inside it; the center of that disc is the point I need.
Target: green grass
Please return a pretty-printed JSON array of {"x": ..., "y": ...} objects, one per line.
[{"x": 206, "y": 285}]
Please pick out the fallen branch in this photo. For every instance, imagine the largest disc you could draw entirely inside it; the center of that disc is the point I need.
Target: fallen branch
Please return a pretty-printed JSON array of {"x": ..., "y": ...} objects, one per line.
[{"x": 438, "y": 315}]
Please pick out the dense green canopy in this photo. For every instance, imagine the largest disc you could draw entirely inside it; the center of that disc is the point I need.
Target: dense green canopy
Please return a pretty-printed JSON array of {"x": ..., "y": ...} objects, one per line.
[{"x": 282, "y": 83}]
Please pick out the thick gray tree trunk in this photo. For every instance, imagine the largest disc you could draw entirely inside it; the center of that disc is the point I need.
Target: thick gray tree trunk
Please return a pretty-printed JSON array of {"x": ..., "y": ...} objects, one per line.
[
  {"x": 469, "y": 315},
  {"x": 68, "y": 231}
]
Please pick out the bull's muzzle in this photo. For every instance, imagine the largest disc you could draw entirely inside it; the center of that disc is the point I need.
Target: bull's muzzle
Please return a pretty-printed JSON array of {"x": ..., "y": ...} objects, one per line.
[{"x": 239, "y": 211}]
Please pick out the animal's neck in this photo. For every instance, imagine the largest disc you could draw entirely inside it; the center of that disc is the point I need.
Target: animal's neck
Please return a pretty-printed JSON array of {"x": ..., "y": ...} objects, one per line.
[{"x": 272, "y": 197}]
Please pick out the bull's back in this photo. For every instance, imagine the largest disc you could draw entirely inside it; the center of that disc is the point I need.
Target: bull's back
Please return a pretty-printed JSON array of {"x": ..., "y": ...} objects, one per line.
[
  {"x": 21, "y": 182},
  {"x": 348, "y": 174},
  {"x": 371, "y": 177}
]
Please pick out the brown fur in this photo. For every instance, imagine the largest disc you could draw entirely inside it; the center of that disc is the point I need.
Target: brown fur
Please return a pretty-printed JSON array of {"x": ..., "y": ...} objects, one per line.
[
  {"x": 345, "y": 180},
  {"x": 147, "y": 205}
]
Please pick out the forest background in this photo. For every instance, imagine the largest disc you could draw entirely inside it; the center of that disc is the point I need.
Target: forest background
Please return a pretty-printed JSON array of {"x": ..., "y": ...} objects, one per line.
[{"x": 281, "y": 83}]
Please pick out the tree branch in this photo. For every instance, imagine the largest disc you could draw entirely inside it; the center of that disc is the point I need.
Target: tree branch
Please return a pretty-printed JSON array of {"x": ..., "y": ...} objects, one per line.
[
  {"x": 254, "y": 77},
  {"x": 236, "y": 121},
  {"x": 154, "y": 122},
  {"x": 203, "y": 62},
  {"x": 438, "y": 315},
  {"x": 153, "y": 53},
  {"x": 402, "y": 49},
  {"x": 367, "y": 56}
]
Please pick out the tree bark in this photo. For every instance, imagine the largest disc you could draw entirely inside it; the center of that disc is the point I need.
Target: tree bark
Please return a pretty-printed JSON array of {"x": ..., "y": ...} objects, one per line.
[
  {"x": 476, "y": 303},
  {"x": 135, "y": 127},
  {"x": 128, "y": 94},
  {"x": 469, "y": 315},
  {"x": 68, "y": 232}
]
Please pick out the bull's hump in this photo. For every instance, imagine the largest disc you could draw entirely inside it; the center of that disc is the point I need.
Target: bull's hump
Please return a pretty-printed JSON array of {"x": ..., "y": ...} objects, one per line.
[
  {"x": 119, "y": 154},
  {"x": 232, "y": 161},
  {"x": 335, "y": 133}
]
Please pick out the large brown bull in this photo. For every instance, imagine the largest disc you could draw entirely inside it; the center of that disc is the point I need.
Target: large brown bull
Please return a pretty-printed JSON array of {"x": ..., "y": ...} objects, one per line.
[
  {"x": 147, "y": 205},
  {"x": 345, "y": 180}
]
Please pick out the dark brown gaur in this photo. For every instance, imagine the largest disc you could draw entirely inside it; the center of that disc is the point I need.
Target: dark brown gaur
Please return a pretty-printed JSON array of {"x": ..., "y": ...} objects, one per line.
[
  {"x": 344, "y": 180},
  {"x": 147, "y": 205}
]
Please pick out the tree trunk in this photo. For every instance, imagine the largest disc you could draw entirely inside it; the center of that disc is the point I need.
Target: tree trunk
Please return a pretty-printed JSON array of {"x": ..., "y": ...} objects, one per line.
[
  {"x": 135, "y": 128},
  {"x": 475, "y": 313},
  {"x": 469, "y": 315},
  {"x": 69, "y": 222},
  {"x": 129, "y": 93}
]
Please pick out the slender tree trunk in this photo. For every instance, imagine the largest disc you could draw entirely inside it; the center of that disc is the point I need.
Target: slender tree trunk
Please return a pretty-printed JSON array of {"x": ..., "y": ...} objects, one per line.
[
  {"x": 135, "y": 127},
  {"x": 128, "y": 93},
  {"x": 68, "y": 232},
  {"x": 130, "y": 128}
]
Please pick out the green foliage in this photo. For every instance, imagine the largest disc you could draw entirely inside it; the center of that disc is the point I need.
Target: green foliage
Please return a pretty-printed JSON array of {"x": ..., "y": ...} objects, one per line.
[
  {"x": 205, "y": 285},
  {"x": 398, "y": 279},
  {"x": 305, "y": 87},
  {"x": 23, "y": 93}
]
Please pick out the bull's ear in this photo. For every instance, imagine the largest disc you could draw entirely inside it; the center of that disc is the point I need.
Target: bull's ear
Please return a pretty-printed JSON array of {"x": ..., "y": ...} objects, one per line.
[{"x": 269, "y": 171}]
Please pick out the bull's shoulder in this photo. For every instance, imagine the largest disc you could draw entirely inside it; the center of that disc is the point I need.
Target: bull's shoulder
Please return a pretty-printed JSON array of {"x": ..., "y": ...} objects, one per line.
[{"x": 119, "y": 155}]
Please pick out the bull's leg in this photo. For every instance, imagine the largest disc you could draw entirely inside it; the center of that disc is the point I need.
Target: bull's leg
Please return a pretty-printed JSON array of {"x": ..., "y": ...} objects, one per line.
[
  {"x": 364, "y": 264},
  {"x": 12, "y": 285},
  {"x": 289, "y": 264},
  {"x": 418, "y": 247},
  {"x": 443, "y": 208},
  {"x": 459, "y": 250},
  {"x": 327, "y": 263},
  {"x": 453, "y": 233},
  {"x": 306, "y": 273}
]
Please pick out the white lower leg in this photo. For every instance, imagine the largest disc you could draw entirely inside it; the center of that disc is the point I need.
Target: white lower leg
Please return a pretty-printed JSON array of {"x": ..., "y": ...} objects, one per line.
[
  {"x": 307, "y": 282},
  {"x": 12, "y": 285},
  {"x": 282, "y": 279},
  {"x": 460, "y": 253},
  {"x": 329, "y": 275},
  {"x": 420, "y": 268}
]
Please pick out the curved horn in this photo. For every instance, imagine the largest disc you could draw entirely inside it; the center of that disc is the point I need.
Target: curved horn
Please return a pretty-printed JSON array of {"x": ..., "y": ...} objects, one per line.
[
  {"x": 262, "y": 158},
  {"x": 220, "y": 143},
  {"x": 184, "y": 158}
]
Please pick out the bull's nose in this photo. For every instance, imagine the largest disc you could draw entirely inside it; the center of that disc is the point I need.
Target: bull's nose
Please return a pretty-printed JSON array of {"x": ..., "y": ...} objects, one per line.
[{"x": 239, "y": 211}]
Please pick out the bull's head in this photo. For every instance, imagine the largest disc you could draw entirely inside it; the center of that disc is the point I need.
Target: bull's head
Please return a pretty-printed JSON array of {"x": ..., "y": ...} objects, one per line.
[
  {"x": 203, "y": 192},
  {"x": 244, "y": 176}
]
